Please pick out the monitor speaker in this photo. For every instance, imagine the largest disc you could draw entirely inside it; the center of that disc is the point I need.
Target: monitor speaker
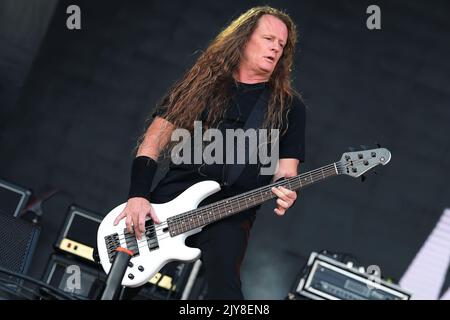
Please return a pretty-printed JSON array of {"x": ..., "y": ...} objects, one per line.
[{"x": 18, "y": 239}]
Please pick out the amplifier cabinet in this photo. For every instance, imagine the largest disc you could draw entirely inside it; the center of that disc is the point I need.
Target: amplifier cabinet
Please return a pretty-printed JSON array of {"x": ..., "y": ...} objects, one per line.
[{"x": 75, "y": 277}]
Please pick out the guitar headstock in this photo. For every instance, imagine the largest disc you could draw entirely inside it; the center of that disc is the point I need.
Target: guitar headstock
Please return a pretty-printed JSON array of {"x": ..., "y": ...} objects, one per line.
[{"x": 358, "y": 162}]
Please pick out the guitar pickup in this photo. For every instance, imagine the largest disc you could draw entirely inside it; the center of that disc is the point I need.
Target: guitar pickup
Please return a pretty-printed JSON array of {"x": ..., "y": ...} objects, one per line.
[
  {"x": 150, "y": 234},
  {"x": 131, "y": 242}
]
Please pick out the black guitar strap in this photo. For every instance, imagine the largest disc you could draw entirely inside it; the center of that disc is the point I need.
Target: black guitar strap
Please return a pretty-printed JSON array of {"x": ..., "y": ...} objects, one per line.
[{"x": 255, "y": 120}]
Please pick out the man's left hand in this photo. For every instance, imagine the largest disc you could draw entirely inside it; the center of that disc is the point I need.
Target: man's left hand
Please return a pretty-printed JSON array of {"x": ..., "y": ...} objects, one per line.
[{"x": 286, "y": 199}]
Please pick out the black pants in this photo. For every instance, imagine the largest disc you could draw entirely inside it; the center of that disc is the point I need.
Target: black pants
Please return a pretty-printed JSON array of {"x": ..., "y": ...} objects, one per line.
[{"x": 223, "y": 246}]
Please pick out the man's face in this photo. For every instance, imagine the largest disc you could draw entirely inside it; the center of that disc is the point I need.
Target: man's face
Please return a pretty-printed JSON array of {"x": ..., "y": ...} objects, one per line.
[{"x": 265, "y": 45}]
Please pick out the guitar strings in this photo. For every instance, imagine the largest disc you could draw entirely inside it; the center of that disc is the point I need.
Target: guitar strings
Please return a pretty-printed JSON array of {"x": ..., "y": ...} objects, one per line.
[
  {"x": 214, "y": 206},
  {"x": 163, "y": 225},
  {"x": 127, "y": 236}
]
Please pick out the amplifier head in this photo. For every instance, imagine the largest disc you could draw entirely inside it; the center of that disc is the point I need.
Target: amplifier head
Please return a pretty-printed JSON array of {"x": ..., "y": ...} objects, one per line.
[
  {"x": 13, "y": 198},
  {"x": 326, "y": 278},
  {"x": 78, "y": 235}
]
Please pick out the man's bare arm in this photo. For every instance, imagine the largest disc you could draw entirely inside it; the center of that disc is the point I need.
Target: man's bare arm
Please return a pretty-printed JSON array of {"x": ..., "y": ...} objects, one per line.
[{"x": 156, "y": 138}]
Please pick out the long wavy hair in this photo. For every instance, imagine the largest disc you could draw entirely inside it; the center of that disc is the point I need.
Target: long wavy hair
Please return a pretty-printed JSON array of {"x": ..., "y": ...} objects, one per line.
[{"x": 207, "y": 83}]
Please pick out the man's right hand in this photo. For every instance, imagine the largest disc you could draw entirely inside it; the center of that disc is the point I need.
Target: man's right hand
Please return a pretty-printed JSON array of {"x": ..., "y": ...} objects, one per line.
[{"x": 135, "y": 212}]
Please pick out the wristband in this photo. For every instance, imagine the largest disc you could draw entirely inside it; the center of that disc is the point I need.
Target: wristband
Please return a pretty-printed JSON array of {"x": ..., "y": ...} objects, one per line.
[{"x": 143, "y": 170}]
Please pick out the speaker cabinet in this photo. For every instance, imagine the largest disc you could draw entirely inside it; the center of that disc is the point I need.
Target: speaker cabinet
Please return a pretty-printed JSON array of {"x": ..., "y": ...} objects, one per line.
[
  {"x": 18, "y": 239},
  {"x": 74, "y": 277}
]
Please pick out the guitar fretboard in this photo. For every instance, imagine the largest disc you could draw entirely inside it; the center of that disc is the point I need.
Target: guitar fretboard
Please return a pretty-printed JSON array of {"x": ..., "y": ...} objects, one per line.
[{"x": 210, "y": 213}]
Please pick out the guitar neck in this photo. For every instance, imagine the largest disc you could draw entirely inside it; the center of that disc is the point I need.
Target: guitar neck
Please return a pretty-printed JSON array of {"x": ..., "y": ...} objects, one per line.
[{"x": 210, "y": 213}]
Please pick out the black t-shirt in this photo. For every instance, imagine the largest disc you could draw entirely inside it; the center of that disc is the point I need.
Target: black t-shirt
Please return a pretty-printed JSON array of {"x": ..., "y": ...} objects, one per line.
[{"x": 291, "y": 145}]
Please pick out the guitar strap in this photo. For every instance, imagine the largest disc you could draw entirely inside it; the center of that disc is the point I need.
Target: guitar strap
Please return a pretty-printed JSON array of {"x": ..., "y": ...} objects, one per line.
[{"x": 231, "y": 172}]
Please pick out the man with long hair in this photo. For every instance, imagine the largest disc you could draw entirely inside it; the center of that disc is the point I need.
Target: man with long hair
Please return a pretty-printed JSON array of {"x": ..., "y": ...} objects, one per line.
[{"x": 254, "y": 54}]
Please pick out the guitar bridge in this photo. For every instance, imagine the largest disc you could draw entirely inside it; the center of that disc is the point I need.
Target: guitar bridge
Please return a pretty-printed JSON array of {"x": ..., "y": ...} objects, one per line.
[{"x": 112, "y": 243}]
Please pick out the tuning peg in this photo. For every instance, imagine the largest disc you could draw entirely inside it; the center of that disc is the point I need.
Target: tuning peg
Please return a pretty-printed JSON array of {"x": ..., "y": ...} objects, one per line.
[
  {"x": 363, "y": 178},
  {"x": 351, "y": 149},
  {"x": 378, "y": 145},
  {"x": 374, "y": 172}
]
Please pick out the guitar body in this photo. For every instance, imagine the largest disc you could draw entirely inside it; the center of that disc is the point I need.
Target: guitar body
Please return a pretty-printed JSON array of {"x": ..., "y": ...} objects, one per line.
[{"x": 148, "y": 262}]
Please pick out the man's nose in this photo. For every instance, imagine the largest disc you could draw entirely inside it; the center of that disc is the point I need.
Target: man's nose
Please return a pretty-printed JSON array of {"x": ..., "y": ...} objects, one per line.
[{"x": 275, "y": 48}]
